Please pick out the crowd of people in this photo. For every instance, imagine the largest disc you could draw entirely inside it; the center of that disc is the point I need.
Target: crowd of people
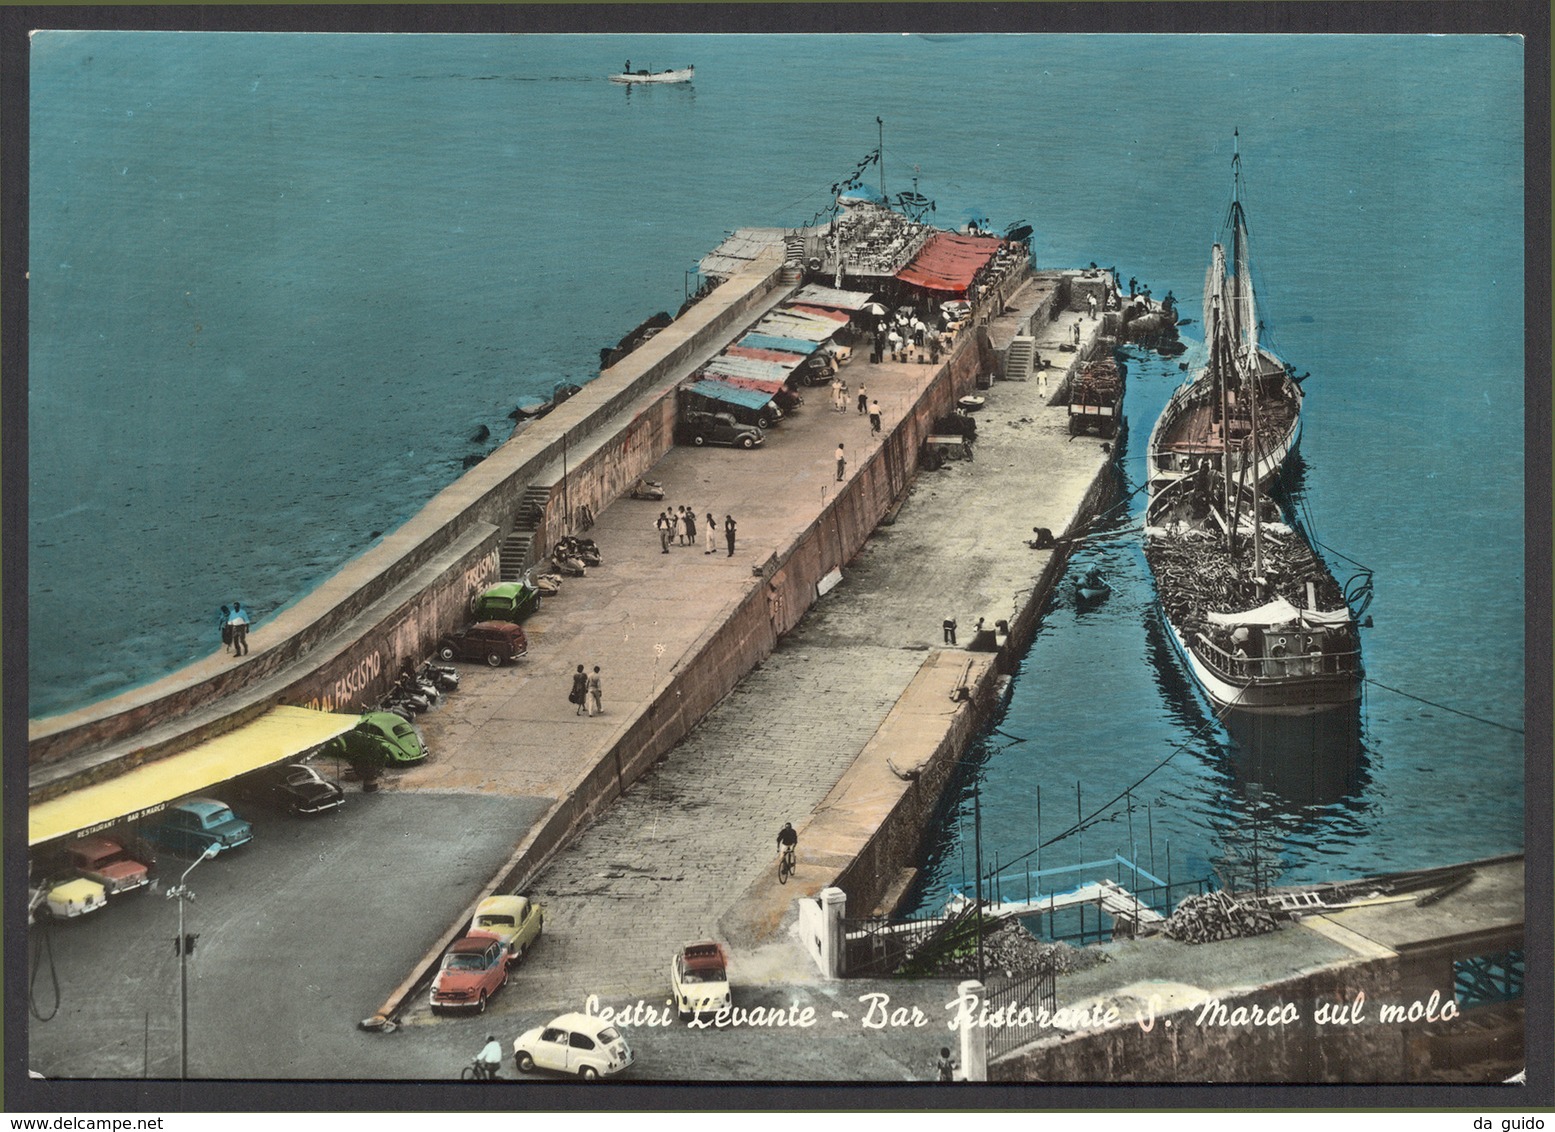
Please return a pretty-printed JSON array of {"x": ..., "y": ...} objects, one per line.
[{"x": 677, "y": 526}]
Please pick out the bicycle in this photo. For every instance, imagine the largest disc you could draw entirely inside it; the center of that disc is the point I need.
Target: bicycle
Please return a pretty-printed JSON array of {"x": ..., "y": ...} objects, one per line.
[
  {"x": 786, "y": 864},
  {"x": 478, "y": 1070}
]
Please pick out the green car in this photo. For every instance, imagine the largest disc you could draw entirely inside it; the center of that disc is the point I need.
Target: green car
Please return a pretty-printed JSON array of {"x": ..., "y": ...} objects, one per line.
[
  {"x": 510, "y": 601},
  {"x": 380, "y": 738}
]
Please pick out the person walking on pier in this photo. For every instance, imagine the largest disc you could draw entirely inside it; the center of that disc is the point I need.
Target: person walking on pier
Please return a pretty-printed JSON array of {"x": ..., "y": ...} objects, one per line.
[
  {"x": 1090, "y": 304},
  {"x": 239, "y": 625},
  {"x": 664, "y": 531},
  {"x": 836, "y": 394},
  {"x": 580, "y": 690},
  {"x": 842, "y": 461},
  {"x": 874, "y": 418},
  {"x": 691, "y": 527},
  {"x": 596, "y": 694},
  {"x": 863, "y": 400},
  {"x": 224, "y": 623},
  {"x": 729, "y": 533},
  {"x": 710, "y": 535}
]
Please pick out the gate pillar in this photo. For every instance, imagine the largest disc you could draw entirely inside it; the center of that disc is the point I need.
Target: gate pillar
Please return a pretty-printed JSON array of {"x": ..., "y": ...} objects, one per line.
[
  {"x": 834, "y": 904},
  {"x": 974, "y": 1047}
]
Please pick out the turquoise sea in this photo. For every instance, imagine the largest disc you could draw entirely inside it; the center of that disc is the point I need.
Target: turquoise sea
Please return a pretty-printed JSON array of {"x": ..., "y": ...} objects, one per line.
[{"x": 277, "y": 281}]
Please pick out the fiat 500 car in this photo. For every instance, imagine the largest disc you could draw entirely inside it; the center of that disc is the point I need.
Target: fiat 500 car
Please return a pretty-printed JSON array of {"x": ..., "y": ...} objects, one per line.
[
  {"x": 699, "y": 979},
  {"x": 474, "y": 968},
  {"x": 573, "y": 1043}
]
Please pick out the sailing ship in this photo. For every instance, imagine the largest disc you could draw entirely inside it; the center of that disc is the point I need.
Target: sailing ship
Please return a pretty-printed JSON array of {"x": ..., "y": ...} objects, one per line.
[{"x": 1252, "y": 608}]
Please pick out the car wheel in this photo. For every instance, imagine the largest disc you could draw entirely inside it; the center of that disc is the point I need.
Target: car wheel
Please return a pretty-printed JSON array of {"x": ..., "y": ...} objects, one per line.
[
  {"x": 747, "y": 442},
  {"x": 494, "y": 659},
  {"x": 699, "y": 440},
  {"x": 589, "y": 1073},
  {"x": 763, "y": 422},
  {"x": 446, "y": 652},
  {"x": 525, "y": 1063},
  {"x": 480, "y": 1006}
]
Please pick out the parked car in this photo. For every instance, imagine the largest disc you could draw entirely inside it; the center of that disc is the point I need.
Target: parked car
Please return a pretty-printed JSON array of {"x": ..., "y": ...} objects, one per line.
[
  {"x": 108, "y": 863},
  {"x": 495, "y": 642},
  {"x": 474, "y": 968},
  {"x": 195, "y": 825},
  {"x": 297, "y": 788},
  {"x": 515, "y": 920},
  {"x": 699, "y": 978},
  {"x": 72, "y": 899},
  {"x": 380, "y": 738},
  {"x": 700, "y": 428},
  {"x": 509, "y": 601},
  {"x": 573, "y": 1043}
]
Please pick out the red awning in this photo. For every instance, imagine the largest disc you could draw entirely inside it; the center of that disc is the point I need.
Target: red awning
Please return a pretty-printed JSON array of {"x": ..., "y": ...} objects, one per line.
[{"x": 948, "y": 262}]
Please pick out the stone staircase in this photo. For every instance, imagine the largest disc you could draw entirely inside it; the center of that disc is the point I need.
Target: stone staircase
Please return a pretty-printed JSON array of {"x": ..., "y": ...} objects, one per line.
[
  {"x": 518, "y": 548},
  {"x": 1021, "y": 358}
]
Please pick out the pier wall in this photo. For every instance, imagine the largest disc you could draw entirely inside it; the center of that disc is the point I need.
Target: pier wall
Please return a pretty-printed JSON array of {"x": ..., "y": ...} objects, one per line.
[
  {"x": 343, "y": 615},
  {"x": 1199, "y": 1044}
]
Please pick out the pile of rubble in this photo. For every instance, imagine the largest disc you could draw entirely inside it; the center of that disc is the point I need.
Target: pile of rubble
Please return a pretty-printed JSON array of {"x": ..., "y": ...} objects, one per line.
[{"x": 1215, "y": 915}]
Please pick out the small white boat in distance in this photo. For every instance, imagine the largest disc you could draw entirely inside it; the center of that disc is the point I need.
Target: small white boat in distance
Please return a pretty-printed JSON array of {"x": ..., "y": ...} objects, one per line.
[{"x": 684, "y": 75}]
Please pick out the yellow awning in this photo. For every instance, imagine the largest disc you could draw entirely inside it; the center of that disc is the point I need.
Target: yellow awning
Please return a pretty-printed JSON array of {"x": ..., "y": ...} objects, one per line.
[{"x": 279, "y": 734}]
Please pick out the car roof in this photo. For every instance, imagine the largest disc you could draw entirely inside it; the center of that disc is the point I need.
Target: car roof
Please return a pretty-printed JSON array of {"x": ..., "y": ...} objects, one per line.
[
  {"x": 505, "y": 628},
  {"x": 200, "y": 805},
  {"x": 501, "y": 904},
  {"x": 504, "y": 589},
  {"x": 80, "y": 887},
  {"x": 96, "y": 846},
  {"x": 582, "y": 1023},
  {"x": 703, "y": 954},
  {"x": 477, "y": 942}
]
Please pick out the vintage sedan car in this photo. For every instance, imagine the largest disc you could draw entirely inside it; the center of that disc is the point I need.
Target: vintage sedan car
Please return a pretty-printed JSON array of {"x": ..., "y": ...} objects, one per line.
[
  {"x": 297, "y": 788},
  {"x": 573, "y": 1043},
  {"x": 495, "y": 642},
  {"x": 380, "y": 738},
  {"x": 72, "y": 899},
  {"x": 699, "y": 428},
  {"x": 699, "y": 979},
  {"x": 516, "y": 920},
  {"x": 474, "y": 968},
  {"x": 198, "y": 825},
  {"x": 509, "y": 601},
  {"x": 108, "y": 863}
]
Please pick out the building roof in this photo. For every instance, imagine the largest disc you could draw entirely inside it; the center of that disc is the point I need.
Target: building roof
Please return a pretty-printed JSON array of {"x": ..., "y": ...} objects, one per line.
[{"x": 949, "y": 261}]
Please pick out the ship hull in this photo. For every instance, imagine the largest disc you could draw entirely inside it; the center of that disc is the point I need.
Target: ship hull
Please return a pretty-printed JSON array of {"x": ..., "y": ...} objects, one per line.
[{"x": 1294, "y": 693}]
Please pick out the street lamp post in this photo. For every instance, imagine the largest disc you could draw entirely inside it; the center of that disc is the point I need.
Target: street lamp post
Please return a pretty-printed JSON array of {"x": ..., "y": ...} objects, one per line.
[{"x": 181, "y": 893}]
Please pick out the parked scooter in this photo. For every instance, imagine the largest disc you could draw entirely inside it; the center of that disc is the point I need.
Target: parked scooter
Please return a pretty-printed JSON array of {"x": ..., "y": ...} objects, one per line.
[
  {"x": 443, "y": 677},
  {"x": 546, "y": 585},
  {"x": 565, "y": 564},
  {"x": 583, "y": 549}
]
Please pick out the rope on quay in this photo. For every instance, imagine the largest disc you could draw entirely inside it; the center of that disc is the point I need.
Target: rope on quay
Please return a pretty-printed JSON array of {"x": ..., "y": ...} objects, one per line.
[{"x": 1444, "y": 707}]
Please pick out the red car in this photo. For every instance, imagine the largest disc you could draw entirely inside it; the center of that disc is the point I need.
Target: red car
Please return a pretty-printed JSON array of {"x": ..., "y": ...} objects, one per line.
[{"x": 474, "y": 969}]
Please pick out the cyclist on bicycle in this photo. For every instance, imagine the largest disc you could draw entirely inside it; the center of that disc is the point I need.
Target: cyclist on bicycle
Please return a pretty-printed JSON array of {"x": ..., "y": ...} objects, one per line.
[
  {"x": 489, "y": 1058},
  {"x": 787, "y": 839}
]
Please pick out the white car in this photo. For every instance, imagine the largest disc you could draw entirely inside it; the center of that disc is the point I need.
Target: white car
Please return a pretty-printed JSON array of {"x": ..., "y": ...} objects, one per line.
[
  {"x": 699, "y": 979},
  {"x": 573, "y": 1043}
]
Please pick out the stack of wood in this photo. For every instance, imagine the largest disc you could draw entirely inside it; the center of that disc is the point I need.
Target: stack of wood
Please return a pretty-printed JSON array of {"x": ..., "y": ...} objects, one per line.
[
  {"x": 1098, "y": 382},
  {"x": 1214, "y": 916}
]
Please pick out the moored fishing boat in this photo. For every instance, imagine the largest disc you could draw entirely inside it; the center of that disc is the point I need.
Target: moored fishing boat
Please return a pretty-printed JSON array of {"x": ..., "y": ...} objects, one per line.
[
  {"x": 1251, "y": 607},
  {"x": 1208, "y": 419},
  {"x": 683, "y": 75}
]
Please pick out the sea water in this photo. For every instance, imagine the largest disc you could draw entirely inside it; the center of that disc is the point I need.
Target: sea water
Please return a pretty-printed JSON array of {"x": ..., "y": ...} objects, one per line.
[{"x": 278, "y": 282}]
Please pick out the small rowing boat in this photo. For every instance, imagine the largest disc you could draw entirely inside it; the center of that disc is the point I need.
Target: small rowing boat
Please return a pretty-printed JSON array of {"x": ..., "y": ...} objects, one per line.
[{"x": 684, "y": 75}]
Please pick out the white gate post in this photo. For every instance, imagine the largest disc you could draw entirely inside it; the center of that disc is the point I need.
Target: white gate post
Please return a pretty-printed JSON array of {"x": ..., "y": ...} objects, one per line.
[
  {"x": 834, "y": 905},
  {"x": 974, "y": 1038}
]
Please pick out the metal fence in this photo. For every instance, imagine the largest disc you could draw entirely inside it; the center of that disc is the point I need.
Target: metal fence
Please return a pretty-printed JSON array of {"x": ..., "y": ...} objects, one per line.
[
  {"x": 1019, "y": 1004},
  {"x": 879, "y": 947}
]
